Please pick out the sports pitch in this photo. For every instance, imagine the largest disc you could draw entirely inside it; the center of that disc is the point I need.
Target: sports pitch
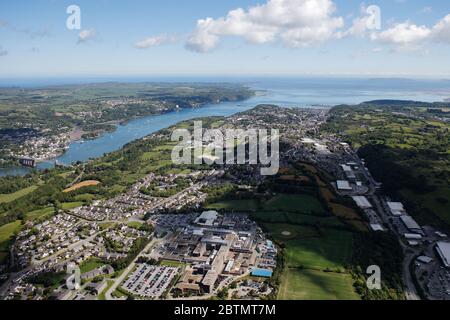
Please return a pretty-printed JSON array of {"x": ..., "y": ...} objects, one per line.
[{"x": 316, "y": 285}]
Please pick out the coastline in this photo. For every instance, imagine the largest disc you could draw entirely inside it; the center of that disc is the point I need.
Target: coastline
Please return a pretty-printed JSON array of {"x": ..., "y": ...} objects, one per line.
[{"x": 77, "y": 134}]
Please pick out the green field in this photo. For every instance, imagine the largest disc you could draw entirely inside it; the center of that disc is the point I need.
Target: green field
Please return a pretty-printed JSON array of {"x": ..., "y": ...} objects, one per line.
[
  {"x": 296, "y": 219},
  {"x": 309, "y": 252},
  {"x": 91, "y": 264},
  {"x": 303, "y": 203},
  {"x": 168, "y": 263},
  {"x": 284, "y": 232},
  {"x": 6, "y": 232},
  {"x": 135, "y": 224},
  {"x": 306, "y": 247},
  {"x": 316, "y": 285},
  {"x": 71, "y": 205},
  {"x": 234, "y": 205},
  {"x": 41, "y": 213},
  {"x": 5, "y": 198}
]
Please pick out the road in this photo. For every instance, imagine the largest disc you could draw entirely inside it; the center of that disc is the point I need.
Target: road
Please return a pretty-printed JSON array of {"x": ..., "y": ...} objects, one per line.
[{"x": 410, "y": 288}]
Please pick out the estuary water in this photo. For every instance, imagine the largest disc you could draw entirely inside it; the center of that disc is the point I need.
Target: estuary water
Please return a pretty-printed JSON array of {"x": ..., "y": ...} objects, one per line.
[{"x": 285, "y": 92}]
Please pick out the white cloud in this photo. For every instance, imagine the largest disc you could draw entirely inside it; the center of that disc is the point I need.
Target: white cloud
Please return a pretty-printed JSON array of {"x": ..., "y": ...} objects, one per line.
[
  {"x": 359, "y": 25},
  {"x": 402, "y": 34},
  {"x": 156, "y": 41},
  {"x": 441, "y": 31},
  {"x": 427, "y": 9},
  {"x": 297, "y": 23},
  {"x": 407, "y": 35},
  {"x": 86, "y": 35}
]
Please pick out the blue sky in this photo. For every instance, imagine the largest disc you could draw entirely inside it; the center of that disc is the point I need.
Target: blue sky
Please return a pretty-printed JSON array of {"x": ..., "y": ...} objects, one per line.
[{"x": 156, "y": 37}]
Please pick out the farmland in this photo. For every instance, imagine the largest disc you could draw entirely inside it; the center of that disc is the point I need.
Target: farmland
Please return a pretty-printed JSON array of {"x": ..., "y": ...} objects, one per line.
[
  {"x": 5, "y": 198},
  {"x": 80, "y": 185}
]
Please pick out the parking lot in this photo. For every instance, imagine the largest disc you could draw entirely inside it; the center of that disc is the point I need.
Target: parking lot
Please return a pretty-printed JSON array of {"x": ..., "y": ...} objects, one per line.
[{"x": 150, "y": 281}]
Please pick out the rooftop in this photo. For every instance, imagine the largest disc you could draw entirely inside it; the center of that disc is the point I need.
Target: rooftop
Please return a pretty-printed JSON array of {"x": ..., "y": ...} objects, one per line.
[
  {"x": 362, "y": 202},
  {"x": 265, "y": 273},
  {"x": 443, "y": 248},
  {"x": 410, "y": 223},
  {"x": 343, "y": 185}
]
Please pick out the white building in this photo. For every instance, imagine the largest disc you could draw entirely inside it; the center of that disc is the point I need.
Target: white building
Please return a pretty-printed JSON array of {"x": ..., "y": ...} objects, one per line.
[
  {"x": 346, "y": 167},
  {"x": 443, "y": 249},
  {"x": 207, "y": 218},
  {"x": 343, "y": 185},
  {"x": 411, "y": 224},
  {"x": 362, "y": 202},
  {"x": 412, "y": 236},
  {"x": 396, "y": 208},
  {"x": 376, "y": 227}
]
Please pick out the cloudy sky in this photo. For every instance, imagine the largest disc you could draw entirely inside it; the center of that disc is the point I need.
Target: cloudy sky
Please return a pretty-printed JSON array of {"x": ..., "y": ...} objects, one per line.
[{"x": 225, "y": 37}]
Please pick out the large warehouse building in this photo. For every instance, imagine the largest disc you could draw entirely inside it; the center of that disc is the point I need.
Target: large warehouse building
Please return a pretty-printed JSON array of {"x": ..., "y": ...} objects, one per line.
[
  {"x": 411, "y": 224},
  {"x": 443, "y": 249}
]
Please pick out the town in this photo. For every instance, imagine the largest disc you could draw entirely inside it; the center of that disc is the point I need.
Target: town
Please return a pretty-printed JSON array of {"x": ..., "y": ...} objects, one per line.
[{"x": 158, "y": 240}]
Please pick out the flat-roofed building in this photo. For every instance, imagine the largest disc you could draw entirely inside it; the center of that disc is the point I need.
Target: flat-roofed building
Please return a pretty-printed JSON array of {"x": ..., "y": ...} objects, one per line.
[
  {"x": 396, "y": 208},
  {"x": 411, "y": 224},
  {"x": 346, "y": 167},
  {"x": 425, "y": 259},
  {"x": 362, "y": 202},
  {"x": 443, "y": 249},
  {"x": 376, "y": 227},
  {"x": 412, "y": 236},
  {"x": 343, "y": 185},
  {"x": 207, "y": 218}
]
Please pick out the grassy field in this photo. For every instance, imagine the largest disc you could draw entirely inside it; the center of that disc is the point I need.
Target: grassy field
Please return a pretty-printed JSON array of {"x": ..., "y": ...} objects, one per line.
[
  {"x": 90, "y": 265},
  {"x": 135, "y": 224},
  {"x": 71, "y": 205},
  {"x": 6, "y": 232},
  {"x": 303, "y": 203},
  {"x": 309, "y": 252},
  {"x": 296, "y": 219},
  {"x": 316, "y": 285},
  {"x": 235, "y": 205},
  {"x": 41, "y": 213},
  {"x": 5, "y": 198},
  {"x": 307, "y": 247},
  {"x": 106, "y": 225},
  {"x": 168, "y": 263}
]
